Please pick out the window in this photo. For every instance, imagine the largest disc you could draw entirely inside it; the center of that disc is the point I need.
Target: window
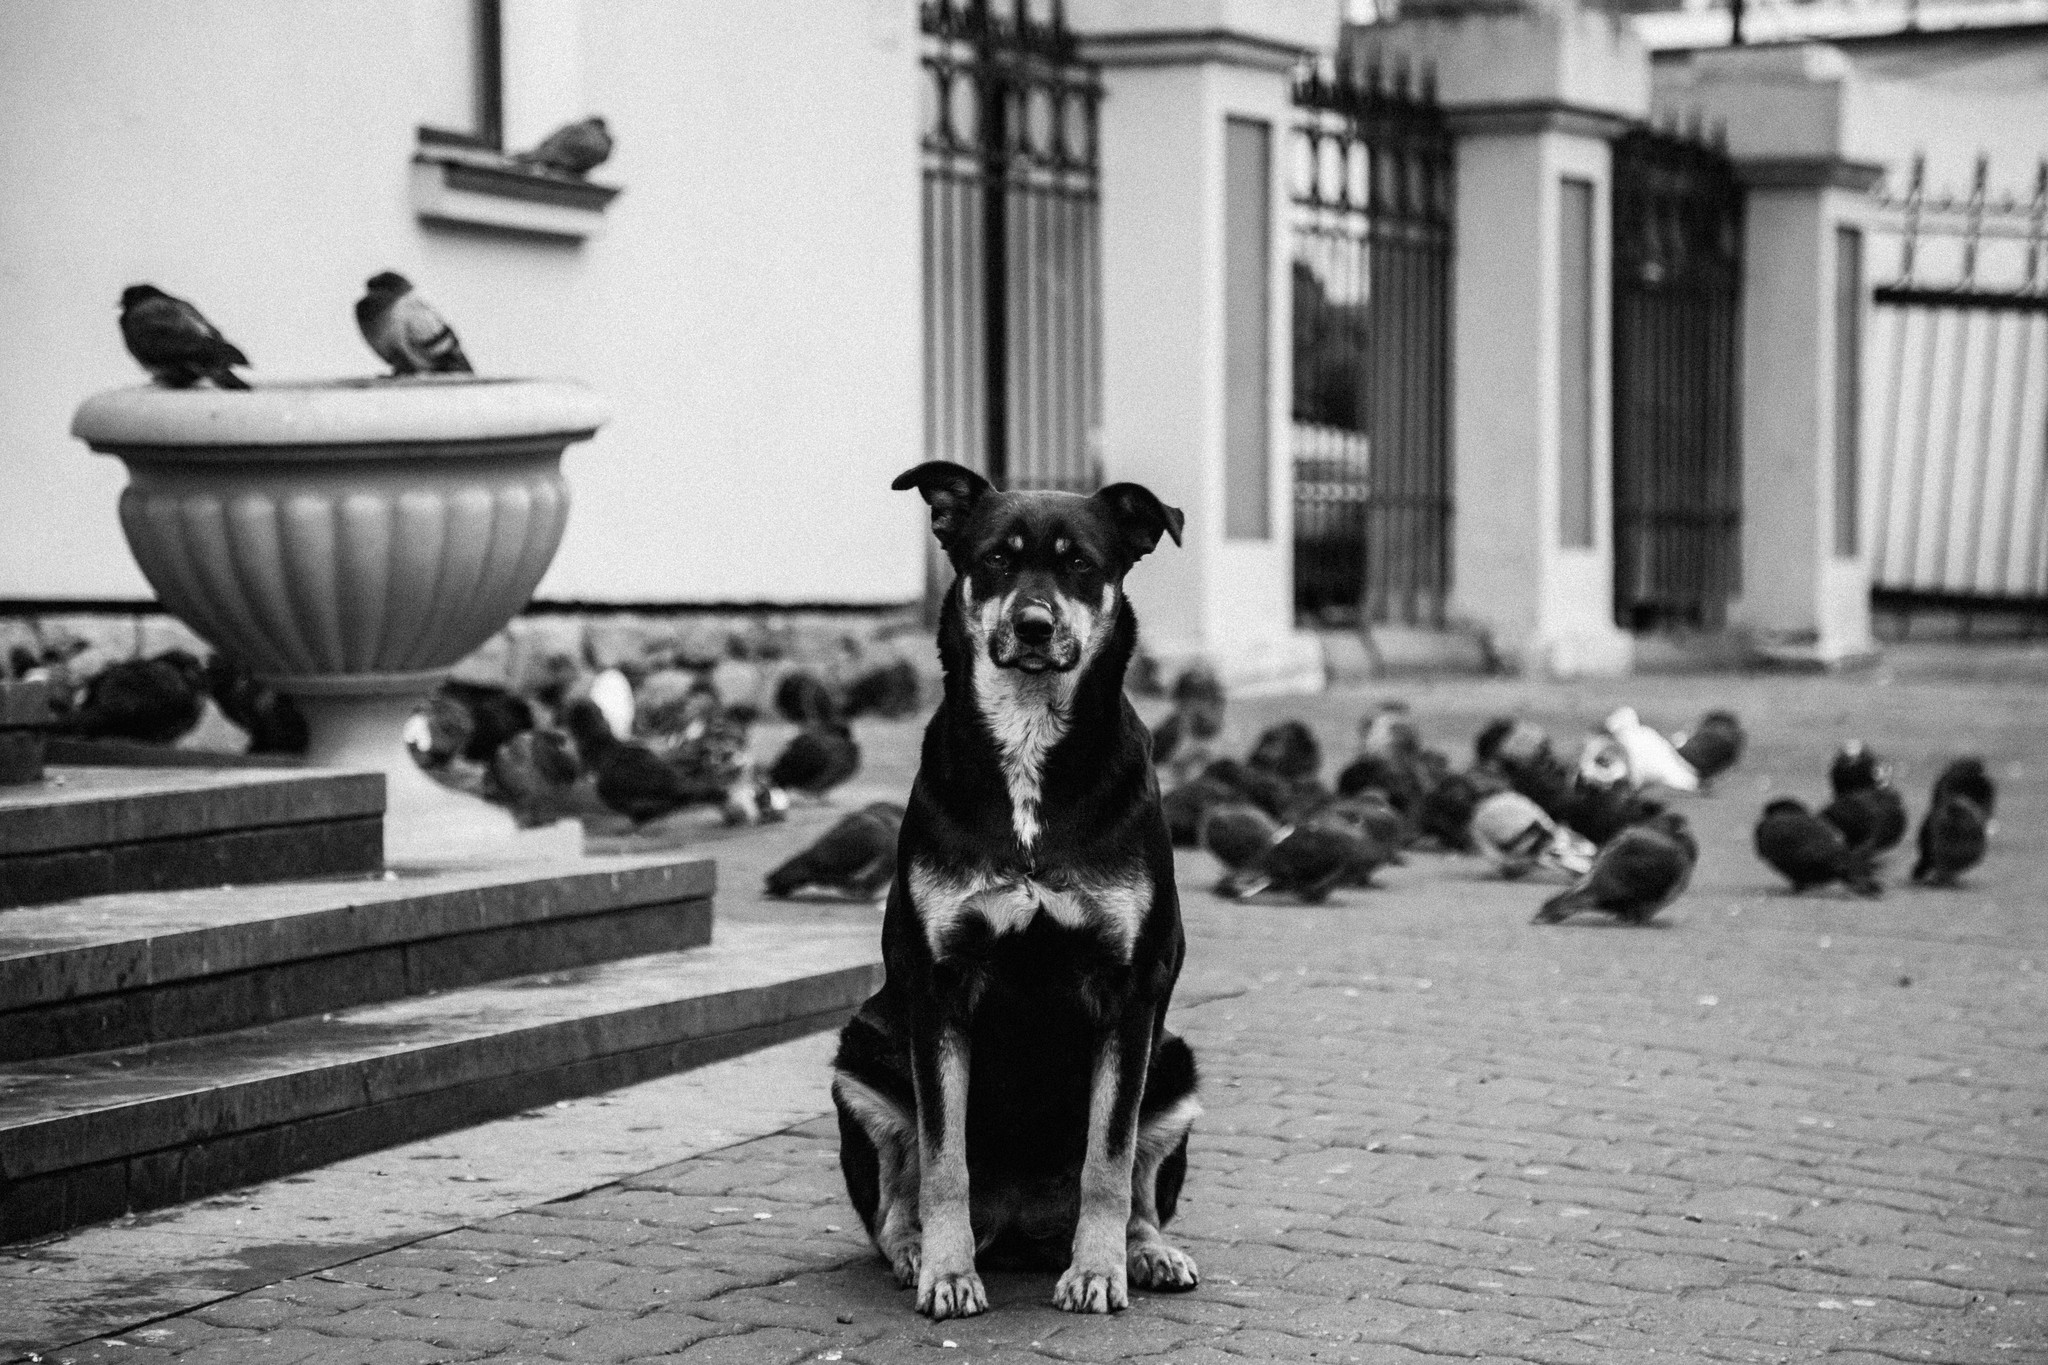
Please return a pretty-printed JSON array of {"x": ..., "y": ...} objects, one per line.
[
  {"x": 1575, "y": 365},
  {"x": 1247, "y": 372},
  {"x": 458, "y": 72},
  {"x": 1848, "y": 388}
]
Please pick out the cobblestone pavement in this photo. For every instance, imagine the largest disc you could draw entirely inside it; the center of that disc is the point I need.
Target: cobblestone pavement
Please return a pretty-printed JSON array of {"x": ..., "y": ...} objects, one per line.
[{"x": 1770, "y": 1129}]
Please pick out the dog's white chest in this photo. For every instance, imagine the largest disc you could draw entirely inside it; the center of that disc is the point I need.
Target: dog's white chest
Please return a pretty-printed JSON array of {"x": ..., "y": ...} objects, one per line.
[
  {"x": 1027, "y": 716},
  {"x": 1008, "y": 903}
]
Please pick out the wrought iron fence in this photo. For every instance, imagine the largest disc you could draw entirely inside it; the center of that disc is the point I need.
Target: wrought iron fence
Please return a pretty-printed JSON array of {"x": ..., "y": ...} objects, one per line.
[
  {"x": 1677, "y": 321},
  {"x": 1958, "y": 412},
  {"x": 1012, "y": 265},
  {"x": 1371, "y": 268}
]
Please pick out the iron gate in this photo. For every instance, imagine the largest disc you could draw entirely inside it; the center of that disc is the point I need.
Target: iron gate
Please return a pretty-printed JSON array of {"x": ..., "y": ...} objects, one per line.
[
  {"x": 1959, "y": 417},
  {"x": 1676, "y": 345},
  {"x": 1372, "y": 333},
  {"x": 1012, "y": 265}
]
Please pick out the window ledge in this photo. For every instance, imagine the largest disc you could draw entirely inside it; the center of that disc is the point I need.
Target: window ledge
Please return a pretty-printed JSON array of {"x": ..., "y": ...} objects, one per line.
[{"x": 476, "y": 187}]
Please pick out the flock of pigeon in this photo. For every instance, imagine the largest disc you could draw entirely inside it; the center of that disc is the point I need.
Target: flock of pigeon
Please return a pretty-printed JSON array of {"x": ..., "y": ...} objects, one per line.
[
  {"x": 636, "y": 743},
  {"x": 632, "y": 744},
  {"x": 1600, "y": 822},
  {"x": 176, "y": 343}
]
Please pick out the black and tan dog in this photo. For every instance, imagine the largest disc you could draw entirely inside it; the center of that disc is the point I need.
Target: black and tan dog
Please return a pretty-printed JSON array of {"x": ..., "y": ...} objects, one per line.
[{"x": 1012, "y": 1088}]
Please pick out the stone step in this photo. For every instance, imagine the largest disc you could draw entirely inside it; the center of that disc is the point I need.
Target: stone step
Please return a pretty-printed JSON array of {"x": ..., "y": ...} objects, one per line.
[
  {"x": 89, "y": 1137},
  {"x": 145, "y": 967},
  {"x": 90, "y": 831}
]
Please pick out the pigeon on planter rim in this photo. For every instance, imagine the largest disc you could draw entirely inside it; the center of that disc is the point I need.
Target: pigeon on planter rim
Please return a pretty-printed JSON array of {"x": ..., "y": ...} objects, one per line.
[
  {"x": 175, "y": 342},
  {"x": 574, "y": 149},
  {"x": 405, "y": 330}
]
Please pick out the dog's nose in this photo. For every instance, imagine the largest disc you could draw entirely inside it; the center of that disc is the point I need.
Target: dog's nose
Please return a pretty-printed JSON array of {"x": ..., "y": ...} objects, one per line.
[{"x": 1033, "y": 624}]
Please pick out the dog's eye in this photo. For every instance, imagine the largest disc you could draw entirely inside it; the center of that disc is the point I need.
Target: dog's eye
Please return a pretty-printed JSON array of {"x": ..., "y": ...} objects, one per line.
[
  {"x": 1081, "y": 564},
  {"x": 997, "y": 561}
]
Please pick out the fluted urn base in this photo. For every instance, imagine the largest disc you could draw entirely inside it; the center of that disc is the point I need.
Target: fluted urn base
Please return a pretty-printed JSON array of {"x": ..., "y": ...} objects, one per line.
[
  {"x": 424, "y": 822},
  {"x": 350, "y": 542}
]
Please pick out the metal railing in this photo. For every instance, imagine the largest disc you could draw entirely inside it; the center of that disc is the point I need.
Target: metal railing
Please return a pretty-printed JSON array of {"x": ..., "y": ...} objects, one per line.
[
  {"x": 1012, "y": 262},
  {"x": 1676, "y": 348},
  {"x": 1957, "y": 413},
  {"x": 1372, "y": 185}
]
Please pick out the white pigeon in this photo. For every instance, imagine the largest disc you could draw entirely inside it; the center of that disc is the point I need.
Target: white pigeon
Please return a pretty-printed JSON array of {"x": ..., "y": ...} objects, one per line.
[
  {"x": 1517, "y": 837},
  {"x": 1652, "y": 761},
  {"x": 613, "y": 695}
]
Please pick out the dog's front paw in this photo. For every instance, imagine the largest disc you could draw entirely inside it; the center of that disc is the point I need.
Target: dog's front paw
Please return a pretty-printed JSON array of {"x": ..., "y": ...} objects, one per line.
[
  {"x": 1161, "y": 1265},
  {"x": 1091, "y": 1291},
  {"x": 951, "y": 1295},
  {"x": 906, "y": 1260}
]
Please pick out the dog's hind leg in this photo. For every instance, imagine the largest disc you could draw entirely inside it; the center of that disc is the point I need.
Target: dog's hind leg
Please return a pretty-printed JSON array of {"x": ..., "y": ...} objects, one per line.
[
  {"x": 947, "y": 1285},
  {"x": 878, "y": 1154},
  {"x": 1168, "y": 1113}
]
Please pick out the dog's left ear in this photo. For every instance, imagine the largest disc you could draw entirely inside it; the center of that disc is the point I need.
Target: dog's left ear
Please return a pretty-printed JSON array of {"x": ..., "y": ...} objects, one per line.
[{"x": 1141, "y": 517}]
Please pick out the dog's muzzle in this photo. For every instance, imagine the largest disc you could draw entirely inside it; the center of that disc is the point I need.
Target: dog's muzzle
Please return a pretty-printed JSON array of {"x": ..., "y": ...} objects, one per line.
[{"x": 1034, "y": 640}]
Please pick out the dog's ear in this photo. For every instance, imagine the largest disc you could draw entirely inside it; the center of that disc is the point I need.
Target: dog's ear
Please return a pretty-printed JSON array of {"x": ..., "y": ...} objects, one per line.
[
  {"x": 951, "y": 489},
  {"x": 1141, "y": 517}
]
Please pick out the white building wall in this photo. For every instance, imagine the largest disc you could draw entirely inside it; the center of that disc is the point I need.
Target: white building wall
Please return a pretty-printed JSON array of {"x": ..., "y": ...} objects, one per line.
[{"x": 752, "y": 308}]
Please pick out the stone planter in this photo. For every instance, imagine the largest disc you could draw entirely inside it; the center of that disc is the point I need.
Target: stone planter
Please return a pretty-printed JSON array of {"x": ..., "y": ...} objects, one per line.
[{"x": 350, "y": 542}]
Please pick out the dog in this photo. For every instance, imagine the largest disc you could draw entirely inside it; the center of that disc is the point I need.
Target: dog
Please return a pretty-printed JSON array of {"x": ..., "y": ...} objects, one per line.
[{"x": 1012, "y": 1089}]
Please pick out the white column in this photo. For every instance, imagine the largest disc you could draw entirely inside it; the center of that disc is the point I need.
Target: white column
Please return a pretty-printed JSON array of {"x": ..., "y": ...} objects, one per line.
[
  {"x": 1535, "y": 96},
  {"x": 1805, "y": 579},
  {"x": 1175, "y": 388}
]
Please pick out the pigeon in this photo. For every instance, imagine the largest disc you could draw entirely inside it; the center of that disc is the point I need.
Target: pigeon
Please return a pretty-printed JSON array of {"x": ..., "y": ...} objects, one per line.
[
  {"x": 1602, "y": 762},
  {"x": 630, "y": 778},
  {"x": 1953, "y": 838},
  {"x": 1508, "y": 741},
  {"x": 612, "y": 693},
  {"x": 439, "y": 732},
  {"x": 817, "y": 759},
  {"x": 273, "y": 721},
  {"x": 890, "y": 692},
  {"x": 1389, "y": 732},
  {"x": 1181, "y": 741},
  {"x": 1445, "y": 814},
  {"x": 1867, "y": 808},
  {"x": 803, "y": 699},
  {"x": 1642, "y": 870},
  {"x": 1517, "y": 837},
  {"x": 1370, "y": 814},
  {"x": 1185, "y": 806},
  {"x": 153, "y": 701},
  {"x": 856, "y": 857},
  {"x": 1395, "y": 780},
  {"x": 1287, "y": 750},
  {"x": 534, "y": 774},
  {"x": 1713, "y": 746},
  {"x": 1809, "y": 852},
  {"x": 1307, "y": 862},
  {"x": 1237, "y": 833},
  {"x": 1966, "y": 777},
  {"x": 174, "y": 341},
  {"x": 1600, "y": 813},
  {"x": 495, "y": 715},
  {"x": 404, "y": 329},
  {"x": 1652, "y": 761},
  {"x": 574, "y": 149}
]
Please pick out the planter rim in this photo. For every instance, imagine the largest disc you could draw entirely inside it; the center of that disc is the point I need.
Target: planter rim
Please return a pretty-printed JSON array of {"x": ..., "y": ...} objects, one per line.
[{"x": 340, "y": 413}]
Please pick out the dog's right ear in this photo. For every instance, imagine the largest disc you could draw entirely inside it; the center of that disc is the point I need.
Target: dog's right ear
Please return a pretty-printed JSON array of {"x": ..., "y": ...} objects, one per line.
[{"x": 951, "y": 489}]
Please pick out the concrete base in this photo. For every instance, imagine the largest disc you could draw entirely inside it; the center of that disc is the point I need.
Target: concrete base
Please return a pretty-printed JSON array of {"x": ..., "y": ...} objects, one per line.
[{"x": 424, "y": 822}]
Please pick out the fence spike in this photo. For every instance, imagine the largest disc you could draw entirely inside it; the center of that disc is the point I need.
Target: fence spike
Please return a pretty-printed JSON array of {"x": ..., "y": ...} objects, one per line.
[{"x": 1401, "y": 76}]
